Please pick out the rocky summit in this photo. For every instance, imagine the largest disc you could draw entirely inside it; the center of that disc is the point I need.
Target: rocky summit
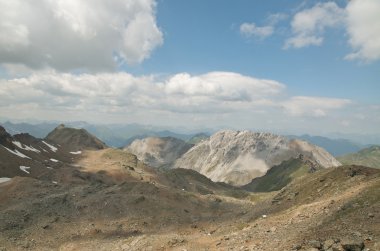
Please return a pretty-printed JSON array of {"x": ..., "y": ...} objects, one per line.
[
  {"x": 78, "y": 139},
  {"x": 237, "y": 157}
]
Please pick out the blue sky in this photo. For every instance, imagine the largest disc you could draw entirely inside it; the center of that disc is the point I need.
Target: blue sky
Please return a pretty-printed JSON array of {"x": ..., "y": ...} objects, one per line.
[
  {"x": 203, "y": 36},
  {"x": 289, "y": 66}
]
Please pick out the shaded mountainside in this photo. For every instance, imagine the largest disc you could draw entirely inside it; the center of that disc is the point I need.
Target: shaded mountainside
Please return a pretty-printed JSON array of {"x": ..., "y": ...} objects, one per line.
[
  {"x": 158, "y": 152},
  {"x": 237, "y": 157},
  {"x": 280, "y": 175},
  {"x": 367, "y": 157},
  {"x": 78, "y": 139},
  {"x": 334, "y": 146}
]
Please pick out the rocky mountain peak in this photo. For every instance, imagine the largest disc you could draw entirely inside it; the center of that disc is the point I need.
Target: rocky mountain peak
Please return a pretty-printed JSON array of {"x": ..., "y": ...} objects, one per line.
[
  {"x": 236, "y": 157},
  {"x": 75, "y": 139}
]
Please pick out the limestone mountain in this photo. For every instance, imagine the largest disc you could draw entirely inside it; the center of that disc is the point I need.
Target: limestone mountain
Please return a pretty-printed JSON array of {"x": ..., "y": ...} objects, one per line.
[
  {"x": 77, "y": 139},
  {"x": 237, "y": 157},
  {"x": 158, "y": 152},
  {"x": 367, "y": 157}
]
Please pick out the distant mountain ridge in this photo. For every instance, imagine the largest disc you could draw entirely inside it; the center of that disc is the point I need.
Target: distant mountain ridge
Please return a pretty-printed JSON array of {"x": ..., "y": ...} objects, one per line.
[
  {"x": 237, "y": 157},
  {"x": 336, "y": 147},
  {"x": 112, "y": 135},
  {"x": 366, "y": 157}
]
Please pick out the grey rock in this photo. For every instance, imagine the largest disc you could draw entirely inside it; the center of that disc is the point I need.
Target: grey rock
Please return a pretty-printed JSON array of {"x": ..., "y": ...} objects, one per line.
[
  {"x": 352, "y": 244},
  {"x": 237, "y": 157},
  {"x": 315, "y": 244}
]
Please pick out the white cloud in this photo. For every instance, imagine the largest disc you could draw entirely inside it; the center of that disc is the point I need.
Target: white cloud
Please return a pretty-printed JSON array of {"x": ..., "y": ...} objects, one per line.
[
  {"x": 123, "y": 93},
  {"x": 313, "y": 106},
  {"x": 308, "y": 26},
  {"x": 221, "y": 91},
  {"x": 222, "y": 85},
  {"x": 77, "y": 34},
  {"x": 363, "y": 27},
  {"x": 250, "y": 30},
  {"x": 214, "y": 99},
  {"x": 275, "y": 18}
]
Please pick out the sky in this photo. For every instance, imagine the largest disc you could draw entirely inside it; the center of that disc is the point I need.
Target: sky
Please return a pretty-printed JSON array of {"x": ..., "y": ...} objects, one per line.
[{"x": 291, "y": 66}]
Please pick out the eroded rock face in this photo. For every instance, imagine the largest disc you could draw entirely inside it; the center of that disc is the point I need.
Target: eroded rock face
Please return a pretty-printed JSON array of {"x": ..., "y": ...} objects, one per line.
[
  {"x": 236, "y": 157},
  {"x": 158, "y": 152}
]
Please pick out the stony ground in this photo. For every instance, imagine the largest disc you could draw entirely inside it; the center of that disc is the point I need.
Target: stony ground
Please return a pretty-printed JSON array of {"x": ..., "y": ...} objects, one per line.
[{"x": 132, "y": 207}]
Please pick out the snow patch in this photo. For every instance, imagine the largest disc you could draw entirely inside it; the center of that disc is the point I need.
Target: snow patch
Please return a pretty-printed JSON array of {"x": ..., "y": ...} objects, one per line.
[
  {"x": 54, "y": 182},
  {"x": 52, "y": 148},
  {"x": 25, "y": 147},
  {"x": 77, "y": 152},
  {"x": 17, "y": 153},
  {"x": 25, "y": 169},
  {"x": 54, "y": 160},
  {"x": 4, "y": 179},
  {"x": 48, "y": 167}
]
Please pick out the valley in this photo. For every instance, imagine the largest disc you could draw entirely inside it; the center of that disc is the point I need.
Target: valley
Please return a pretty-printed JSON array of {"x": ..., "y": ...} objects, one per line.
[{"x": 79, "y": 194}]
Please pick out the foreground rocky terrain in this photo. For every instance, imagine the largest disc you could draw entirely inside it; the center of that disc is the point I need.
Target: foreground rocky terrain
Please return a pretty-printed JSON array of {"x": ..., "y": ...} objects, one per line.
[{"x": 108, "y": 199}]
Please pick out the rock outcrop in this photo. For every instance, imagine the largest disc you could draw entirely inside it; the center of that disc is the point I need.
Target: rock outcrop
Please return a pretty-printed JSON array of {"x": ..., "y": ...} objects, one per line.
[
  {"x": 158, "y": 152},
  {"x": 237, "y": 157}
]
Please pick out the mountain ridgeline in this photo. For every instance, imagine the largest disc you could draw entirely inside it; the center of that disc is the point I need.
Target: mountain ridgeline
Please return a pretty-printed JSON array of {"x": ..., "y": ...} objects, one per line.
[
  {"x": 237, "y": 157},
  {"x": 77, "y": 138}
]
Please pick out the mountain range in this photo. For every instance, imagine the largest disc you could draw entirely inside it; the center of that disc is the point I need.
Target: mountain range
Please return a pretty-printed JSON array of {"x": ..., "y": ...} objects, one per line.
[
  {"x": 70, "y": 191},
  {"x": 123, "y": 135}
]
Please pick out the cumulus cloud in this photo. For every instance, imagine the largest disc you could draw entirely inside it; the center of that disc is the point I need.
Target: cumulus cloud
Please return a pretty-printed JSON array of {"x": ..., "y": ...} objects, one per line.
[
  {"x": 222, "y": 85},
  {"x": 214, "y": 91},
  {"x": 363, "y": 26},
  {"x": 251, "y": 30},
  {"x": 77, "y": 34},
  {"x": 360, "y": 18},
  {"x": 120, "y": 93},
  {"x": 309, "y": 25},
  {"x": 313, "y": 106}
]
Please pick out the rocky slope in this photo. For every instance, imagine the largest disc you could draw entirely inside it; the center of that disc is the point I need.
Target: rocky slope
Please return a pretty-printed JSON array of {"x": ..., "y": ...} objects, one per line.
[
  {"x": 158, "y": 152},
  {"x": 77, "y": 139},
  {"x": 144, "y": 209},
  {"x": 237, "y": 157},
  {"x": 25, "y": 155},
  {"x": 367, "y": 157}
]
